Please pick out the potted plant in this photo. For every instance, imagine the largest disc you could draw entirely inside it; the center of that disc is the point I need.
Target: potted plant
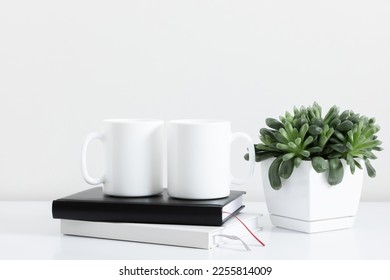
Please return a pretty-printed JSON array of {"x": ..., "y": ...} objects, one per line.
[{"x": 304, "y": 156}]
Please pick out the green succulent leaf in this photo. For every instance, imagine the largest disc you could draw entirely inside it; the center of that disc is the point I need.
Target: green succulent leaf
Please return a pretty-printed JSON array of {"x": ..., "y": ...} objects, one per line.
[
  {"x": 358, "y": 165},
  {"x": 263, "y": 147},
  {"x": 289, "y": 128},
  {"x": 339, "y": 136},
  {"x": 305, "y": 153},
  {"x": 317, "y": 109},
  {"x": 330, "y": 132},
  {"x": 368, "y": 154},
  {"x": 281, "y": 138},
  {"x": 288, "y": 116},
  {"x": 339, "y": 148},
  {"x": 296, "y": 110},
  {"x": 332, "y": 113},
  {"x": 345, "y": 126},
  {"x": 308, "y": 141},
  {"x": 286, "y": 168},
  {"x": 344, "y": 115},
  {"x": 266, "y": 131},
  {"x": 354, "y": 117},
  {"x": 350, "y": 135},
  {"x": 336, "y": 171},
  {"x": 335, "y": 155},
  {"x": 283, "y": 147},
  {"x": 315, "y": 150},
  {"x": 297, "y": 161},
  {"x": 303, "y": 130},
  {"x": 370, "y": 170},
  {"x": 292, "y": 145},
  {"x": 335, "y": 122},
  {"x": 317, "y": 122},
  {"x": 319, "y": 164},
  {"x": 273, "y": 174},
  {"x": 315, "y": 130},
  {"x": 274, "y": 123},
  {"x": 288, "y": 156},
  {"x": 351, "y": 163}
]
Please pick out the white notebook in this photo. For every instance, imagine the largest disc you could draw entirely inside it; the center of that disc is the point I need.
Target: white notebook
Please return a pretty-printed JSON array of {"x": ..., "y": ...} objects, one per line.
[{"x": 205, "y": 237}]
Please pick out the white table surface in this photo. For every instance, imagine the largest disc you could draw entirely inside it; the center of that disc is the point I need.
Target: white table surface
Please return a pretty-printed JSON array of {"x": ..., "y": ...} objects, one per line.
[{"x": 27, "y": 231}]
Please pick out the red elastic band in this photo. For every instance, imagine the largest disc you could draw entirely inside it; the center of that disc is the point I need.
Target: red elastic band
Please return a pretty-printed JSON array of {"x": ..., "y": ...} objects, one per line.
[{"x": 254, "y": 236}]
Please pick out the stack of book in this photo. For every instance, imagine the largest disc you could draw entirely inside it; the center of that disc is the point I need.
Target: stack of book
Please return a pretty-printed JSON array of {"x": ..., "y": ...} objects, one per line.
[{"x": 159, "y": 219}]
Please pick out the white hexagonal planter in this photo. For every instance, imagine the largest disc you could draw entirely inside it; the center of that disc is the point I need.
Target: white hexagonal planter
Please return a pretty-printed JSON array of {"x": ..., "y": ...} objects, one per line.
[{"x": 307, "y": 203}]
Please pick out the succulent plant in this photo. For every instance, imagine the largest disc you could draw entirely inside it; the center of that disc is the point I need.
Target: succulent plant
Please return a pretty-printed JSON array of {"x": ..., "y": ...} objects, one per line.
[{"x": 325, "y": 141}]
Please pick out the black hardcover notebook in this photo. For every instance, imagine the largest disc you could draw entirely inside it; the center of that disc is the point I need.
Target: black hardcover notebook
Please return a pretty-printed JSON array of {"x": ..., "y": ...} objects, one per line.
[{"x": 94, "y": 205}]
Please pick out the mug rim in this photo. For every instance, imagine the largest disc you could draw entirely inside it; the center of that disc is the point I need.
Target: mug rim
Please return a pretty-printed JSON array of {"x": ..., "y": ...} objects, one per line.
[
  {"x": 198, "y": 121},
  {"x": 130, "y": 121}
]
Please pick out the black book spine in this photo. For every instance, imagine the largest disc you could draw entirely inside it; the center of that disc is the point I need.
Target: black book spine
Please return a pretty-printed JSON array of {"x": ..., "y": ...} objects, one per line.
[{"x": 140, "y": 213}]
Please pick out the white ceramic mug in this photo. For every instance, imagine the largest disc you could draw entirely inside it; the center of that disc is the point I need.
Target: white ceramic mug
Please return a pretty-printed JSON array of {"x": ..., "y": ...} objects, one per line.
[
  {"x": 199, "y": 154},
  {"x": 133, "y": 152}
]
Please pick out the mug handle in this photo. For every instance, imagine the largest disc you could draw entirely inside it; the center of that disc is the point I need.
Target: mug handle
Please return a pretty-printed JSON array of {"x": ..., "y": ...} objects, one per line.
[
  {"x": 251, "y": 150},
  {"x": 84, "y": 170}
]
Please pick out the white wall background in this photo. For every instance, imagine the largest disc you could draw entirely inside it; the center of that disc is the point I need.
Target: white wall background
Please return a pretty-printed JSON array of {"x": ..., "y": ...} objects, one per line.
[{"x": 66, "y": 65}]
